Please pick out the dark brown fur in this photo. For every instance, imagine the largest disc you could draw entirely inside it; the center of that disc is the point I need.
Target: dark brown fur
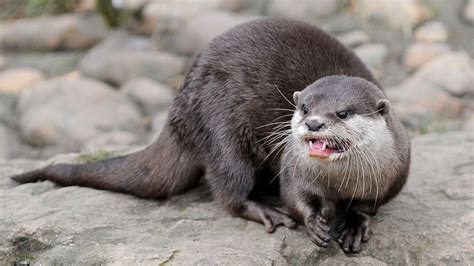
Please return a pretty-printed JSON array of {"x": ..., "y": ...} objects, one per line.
[{"x": 217, "y": 121}]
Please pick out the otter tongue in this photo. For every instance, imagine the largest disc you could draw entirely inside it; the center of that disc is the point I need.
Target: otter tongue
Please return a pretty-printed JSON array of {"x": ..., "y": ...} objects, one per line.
[{"x": 317, "y": 145}]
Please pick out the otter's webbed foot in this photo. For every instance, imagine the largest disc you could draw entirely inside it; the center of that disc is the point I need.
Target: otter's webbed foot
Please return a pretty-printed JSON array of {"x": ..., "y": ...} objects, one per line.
[
  {"x": 354, "y": 230},
  {"x": 318, "y": 230},
  {"x": 267, "y": 215}
]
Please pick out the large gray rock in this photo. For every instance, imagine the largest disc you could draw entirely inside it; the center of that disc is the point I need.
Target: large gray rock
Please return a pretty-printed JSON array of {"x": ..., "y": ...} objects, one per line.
[
  {"x": 122, "y": 58},
  {"x": 419, "y": 103},
  {"x": 372, "y": 54},
  {"x": 69, "y": 31},
  {"x": 169, "y": 15},
  {"x": 433, "y": 31},
  {"x": 452, "y": 72},
  {"x": 430, "y": 222},
  {"x": 420, "y": 53},
  {"x": 354, "y": 38},
  {"x": 7, "y": 101},
  {"x": 49, "y": 63},
  {"x": 400, "y": 14},
  {"x": 15, "y": 80},
  {"x": 193, "y": 35},
  {"x": 303, "y": 9},
  {"x": 69, "y": 111},
  {"x": 150, "y": 96}
]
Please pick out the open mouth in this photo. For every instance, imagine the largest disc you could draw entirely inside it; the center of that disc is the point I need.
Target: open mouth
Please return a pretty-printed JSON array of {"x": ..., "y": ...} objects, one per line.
[{"x": 322, "y": 148}]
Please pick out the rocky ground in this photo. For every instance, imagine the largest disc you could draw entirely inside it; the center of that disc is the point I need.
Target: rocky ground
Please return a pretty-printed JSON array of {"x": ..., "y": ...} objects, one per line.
[{"x": 69, "y": 83}]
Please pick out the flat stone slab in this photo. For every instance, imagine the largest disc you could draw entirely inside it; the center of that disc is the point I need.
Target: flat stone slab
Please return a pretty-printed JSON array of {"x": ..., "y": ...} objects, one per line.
[{"x": 430, "y": 222}]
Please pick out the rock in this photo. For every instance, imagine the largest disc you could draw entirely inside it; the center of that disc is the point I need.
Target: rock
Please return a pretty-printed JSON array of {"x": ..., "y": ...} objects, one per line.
[
  {"x": 69, "y": 111},
  {"x": 303, "y": 9},
  {"x": 157, "y": 125},
  {"x": 193, "y": 35},
  {"x": 354, "y": 38},
  {"x": 402, "y": 14},
  {"x": 433, "y": 31},
  {"x": 150, "y": 96},
  {"x": 122, "y": 58},
  {"x": 4, "y": 141},
  {"x": 469, "y": 124},
  {"x": 169, "y": 15},
  {"x": 468, "y": 12},
  {"x": 65, "y": 32},
  {"x": 113, "y": 140},
  {"x": 7, "y": 101},
  {"x": 429, "y": 223},
  {"x": 3, "y": 62},
  {"x": 420, "y": 53},
  {"x": 15, "y": 80},
  {"x": 51, "y": 64},
  {"x": 453, "y": 72},
  {"x": 419, "y": 103},
  {"x": 372, "y": 54}
]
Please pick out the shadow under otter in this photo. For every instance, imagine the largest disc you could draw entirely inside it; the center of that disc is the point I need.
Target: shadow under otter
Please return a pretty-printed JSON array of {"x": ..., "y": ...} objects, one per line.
[{"x": 228, "y": 124}]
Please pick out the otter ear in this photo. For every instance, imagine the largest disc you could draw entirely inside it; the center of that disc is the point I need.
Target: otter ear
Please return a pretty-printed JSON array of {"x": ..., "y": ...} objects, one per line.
[
  {"x": 296, "y": 96},
  {"x": 383, "y": 106}
]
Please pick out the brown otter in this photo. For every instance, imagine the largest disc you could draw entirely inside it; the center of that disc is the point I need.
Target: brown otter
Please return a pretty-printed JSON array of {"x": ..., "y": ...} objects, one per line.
[{"x": 222, "y": 124}]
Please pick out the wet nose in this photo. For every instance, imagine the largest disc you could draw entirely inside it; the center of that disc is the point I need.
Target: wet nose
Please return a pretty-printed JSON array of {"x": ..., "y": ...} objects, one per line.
[{"x": 314, "y": 124}]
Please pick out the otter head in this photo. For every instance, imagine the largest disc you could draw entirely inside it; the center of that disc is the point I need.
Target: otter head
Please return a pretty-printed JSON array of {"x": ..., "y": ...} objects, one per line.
[{"x": 340, "y": 116}]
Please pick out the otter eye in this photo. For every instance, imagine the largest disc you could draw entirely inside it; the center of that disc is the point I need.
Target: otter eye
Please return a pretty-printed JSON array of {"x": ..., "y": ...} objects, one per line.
[
  {"x": 304, "y": 109},
  {"x": 342, "y": 114}
]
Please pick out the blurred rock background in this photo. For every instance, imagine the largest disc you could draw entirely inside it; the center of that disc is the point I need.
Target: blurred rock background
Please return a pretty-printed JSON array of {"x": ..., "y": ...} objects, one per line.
[
  {"x": 93, "y": 75},
  {"x": 85, "y": 74}
]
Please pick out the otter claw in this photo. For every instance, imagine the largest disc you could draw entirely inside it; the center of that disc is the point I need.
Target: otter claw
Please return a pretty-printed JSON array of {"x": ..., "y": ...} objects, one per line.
[{"x": 318, "y": 231}]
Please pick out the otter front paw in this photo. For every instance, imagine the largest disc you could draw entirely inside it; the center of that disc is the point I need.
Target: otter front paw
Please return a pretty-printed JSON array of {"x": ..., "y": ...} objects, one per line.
[
  {"x": 354, "y": 231},
  {"x": 318, "y": 231}
]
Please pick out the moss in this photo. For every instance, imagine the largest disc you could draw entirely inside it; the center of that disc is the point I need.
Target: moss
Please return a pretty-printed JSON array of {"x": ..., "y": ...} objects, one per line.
[{"x": 93, "y": 157}]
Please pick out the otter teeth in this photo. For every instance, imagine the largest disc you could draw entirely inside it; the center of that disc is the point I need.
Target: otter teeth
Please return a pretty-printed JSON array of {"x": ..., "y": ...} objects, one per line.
[{"x": 324, "y": 146}]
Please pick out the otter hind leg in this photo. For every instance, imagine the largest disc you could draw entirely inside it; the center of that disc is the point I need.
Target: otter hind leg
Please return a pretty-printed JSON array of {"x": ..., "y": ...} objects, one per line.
[{"x": 232, "y": 180}]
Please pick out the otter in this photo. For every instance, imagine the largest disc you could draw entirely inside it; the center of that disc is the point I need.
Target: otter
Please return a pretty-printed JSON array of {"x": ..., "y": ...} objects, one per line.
[
  {"x": 227, "y": 124},
  {"x": 344, "y": 149}
]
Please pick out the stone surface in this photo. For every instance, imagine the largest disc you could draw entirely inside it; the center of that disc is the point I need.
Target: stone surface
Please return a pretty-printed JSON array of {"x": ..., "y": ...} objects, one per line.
[
  {"x": 397, "y": 14},
  {"x": 69, "y": 31},
  {"x": 49, "y": 63},
  {"x": 15, "y": 80},
  {"x": 123, "y": 57},
  {"x": 420, "y": 53},
  {"x": 433, "y": 31},
  {"x": 372, "y": 54},
  {"x": 3, "y": 62},
  {"x": 430, "y": 222},
  {"x": 68, "y": 111},
  {"x": 452, "y": 72},
  {"x": 468, "y": 12},
  {"x": 198, "y": 31},
  {"x": 150, "y": 96},
  {"x": 169, "y": 15},
  {"x": 113, "y": 140},
  {"x": 4, "y": 141},
  {"x": 354, "y": 38},
  {"x": 419, "y": 103},
  {"x": 303, "y": 9},
  {"x": 7, "y": 101}
]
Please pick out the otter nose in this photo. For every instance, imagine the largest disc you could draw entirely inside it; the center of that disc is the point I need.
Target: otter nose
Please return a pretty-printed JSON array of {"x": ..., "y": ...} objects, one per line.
[{"x": 314, "y": 124}]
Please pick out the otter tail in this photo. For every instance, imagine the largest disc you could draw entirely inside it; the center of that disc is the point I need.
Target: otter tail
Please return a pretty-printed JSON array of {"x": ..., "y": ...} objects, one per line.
[{"x": 162, "y": 169}]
